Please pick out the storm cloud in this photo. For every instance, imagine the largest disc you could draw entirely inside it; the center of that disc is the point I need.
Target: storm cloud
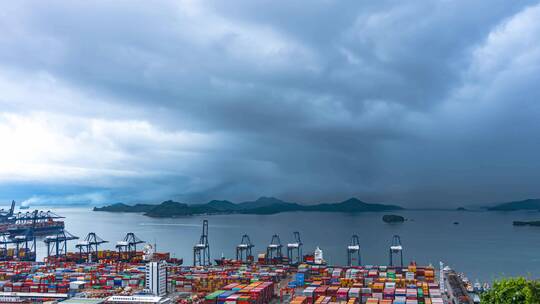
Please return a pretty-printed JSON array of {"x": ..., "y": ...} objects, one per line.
[{"x": 421, "y": 103}]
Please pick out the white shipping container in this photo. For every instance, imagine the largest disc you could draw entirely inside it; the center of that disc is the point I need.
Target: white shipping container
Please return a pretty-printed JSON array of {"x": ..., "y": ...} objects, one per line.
[
  {"x": 308, "y": 292},
  {"x": 354, "y": 292},
  {"x": 76, "y": 285}
]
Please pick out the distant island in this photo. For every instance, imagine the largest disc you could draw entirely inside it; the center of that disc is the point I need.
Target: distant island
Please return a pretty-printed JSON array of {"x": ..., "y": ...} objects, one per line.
[
  {"x": 263, "y": 205},
  {"x": 529, "y": 223},
  {"x": 392, "y": 218},
  {"x": 528, "y": 204}
]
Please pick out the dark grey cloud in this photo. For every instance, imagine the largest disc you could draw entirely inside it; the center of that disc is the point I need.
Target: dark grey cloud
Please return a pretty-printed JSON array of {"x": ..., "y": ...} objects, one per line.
[{"x": 410, "y": 102}]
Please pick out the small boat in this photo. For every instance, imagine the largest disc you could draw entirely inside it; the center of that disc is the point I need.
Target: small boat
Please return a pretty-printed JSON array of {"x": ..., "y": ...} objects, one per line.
[{"x": 224, "y": 261}]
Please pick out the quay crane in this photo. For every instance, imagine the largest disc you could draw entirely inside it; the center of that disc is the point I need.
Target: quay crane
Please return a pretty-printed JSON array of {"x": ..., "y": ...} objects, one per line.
[
  {"x": 35, "y": 216},
  {"x": 5, "y": 216},
  {"x": 294, "y": 250},
  {"x": 128, "y": 246},
  {"x": 57, "y": 244},
  {"x": 354, "y": 250},
  {"x": 4, "y": 242},
  {"x": 273, "y": 251},
  {"x": 243, "y": 250},
  {"x": 89, "y": 246},
  {"x": 25, "y": 246},
  {"x": 396, "y": 249},
  {"x": 201, "y": 250},
  {"x": 24, "y": 250}
]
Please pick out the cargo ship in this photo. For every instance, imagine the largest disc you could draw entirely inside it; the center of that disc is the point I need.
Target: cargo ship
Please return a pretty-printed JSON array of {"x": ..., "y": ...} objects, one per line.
[
  {"x": 38, "y": 229},
  {"x": 310, "y": 259},
  {"x": 225, "y": 261},
  {"x": 38, "y": 223},
  {"x": 316, "y": 258}
]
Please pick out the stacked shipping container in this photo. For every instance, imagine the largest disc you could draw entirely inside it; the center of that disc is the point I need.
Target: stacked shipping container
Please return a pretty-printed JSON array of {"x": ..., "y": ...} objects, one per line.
[
  {"x": 97, "y": 279},
  {"x": 370, "y": 284},
  {"x": 254, "y": 293}
]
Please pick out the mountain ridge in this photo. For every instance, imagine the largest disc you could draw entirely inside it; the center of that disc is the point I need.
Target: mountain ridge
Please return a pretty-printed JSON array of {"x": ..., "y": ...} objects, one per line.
[
  {"x": 526, "y": 204},
  {"x": 263, "y": 205}
]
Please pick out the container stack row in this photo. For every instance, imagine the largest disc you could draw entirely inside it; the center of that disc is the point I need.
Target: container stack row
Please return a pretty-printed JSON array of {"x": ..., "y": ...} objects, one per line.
[
  {"x": 210, "y": 279},
  {"x": 254, "y": 293},
  {"x": 66, "y": 278},
  {"x": 370, "y": 284},
  {"x": 111, "y": 256}
]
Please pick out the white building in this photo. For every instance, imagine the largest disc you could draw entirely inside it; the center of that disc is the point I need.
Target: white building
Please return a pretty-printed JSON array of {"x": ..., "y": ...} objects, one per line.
[
  {"x": 319, "y": 259},
  {"x": 156, "y": 278}
]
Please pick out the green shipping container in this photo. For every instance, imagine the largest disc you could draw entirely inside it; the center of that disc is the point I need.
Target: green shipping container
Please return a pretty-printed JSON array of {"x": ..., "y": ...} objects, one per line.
[{"x": 214, "y": 295}]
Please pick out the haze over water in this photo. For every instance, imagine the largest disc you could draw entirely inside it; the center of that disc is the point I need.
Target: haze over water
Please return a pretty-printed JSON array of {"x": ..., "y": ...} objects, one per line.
[{"x": 484, "y": 245}]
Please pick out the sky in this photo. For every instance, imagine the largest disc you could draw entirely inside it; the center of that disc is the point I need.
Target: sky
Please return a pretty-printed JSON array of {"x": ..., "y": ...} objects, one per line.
[{"x": 419, "y": 103}]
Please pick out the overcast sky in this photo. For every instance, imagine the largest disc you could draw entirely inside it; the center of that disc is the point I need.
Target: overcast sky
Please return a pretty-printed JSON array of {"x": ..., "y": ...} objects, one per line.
[{"x": 432, "y": 103}]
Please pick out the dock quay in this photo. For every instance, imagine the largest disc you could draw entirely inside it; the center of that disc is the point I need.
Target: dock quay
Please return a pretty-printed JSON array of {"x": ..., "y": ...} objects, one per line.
[{"x": 456, "y": 290}]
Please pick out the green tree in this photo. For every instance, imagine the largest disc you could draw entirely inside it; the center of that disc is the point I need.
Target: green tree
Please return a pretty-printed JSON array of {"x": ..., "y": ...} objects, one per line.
[{"x": 513, "y": 291}]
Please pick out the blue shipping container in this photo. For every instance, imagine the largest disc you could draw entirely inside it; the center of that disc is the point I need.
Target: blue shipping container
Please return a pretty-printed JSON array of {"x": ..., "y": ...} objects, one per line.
[{"x": 300, "y": 279}]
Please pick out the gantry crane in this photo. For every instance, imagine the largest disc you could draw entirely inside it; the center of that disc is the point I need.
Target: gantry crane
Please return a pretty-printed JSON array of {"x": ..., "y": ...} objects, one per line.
[
  {"x": 89, "y": 246},
  {"x": 127, "y": 248},
  {"x": 4, "y": 242},
  {"x": 353, "y": 249},
  {"x": 294, "y": 250},
  {"x": 57, "y": 243},
  {"x": 396, "y": 249},
  {"x": 273, "y": 251},
  {"x": 243, "y": 250},
  {"x": 201, "y": 250},
  {"x": 5, "y": 216},
  {"x": 25, "y": 246}
]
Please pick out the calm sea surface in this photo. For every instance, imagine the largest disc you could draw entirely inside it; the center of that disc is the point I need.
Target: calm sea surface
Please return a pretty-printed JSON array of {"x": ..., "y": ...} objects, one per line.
[{"x": 484, "y": 245}]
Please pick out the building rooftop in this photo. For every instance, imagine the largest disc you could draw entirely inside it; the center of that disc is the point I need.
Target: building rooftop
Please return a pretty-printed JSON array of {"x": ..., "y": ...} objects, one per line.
[
  {"x": 33, "y": 295},
  {"x": 84, "y": 301},
  {"x": 137, "y": 299}
]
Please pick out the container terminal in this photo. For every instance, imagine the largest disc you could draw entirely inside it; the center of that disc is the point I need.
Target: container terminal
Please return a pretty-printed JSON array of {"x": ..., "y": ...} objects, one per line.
[{"x": 136, "y": 273}]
